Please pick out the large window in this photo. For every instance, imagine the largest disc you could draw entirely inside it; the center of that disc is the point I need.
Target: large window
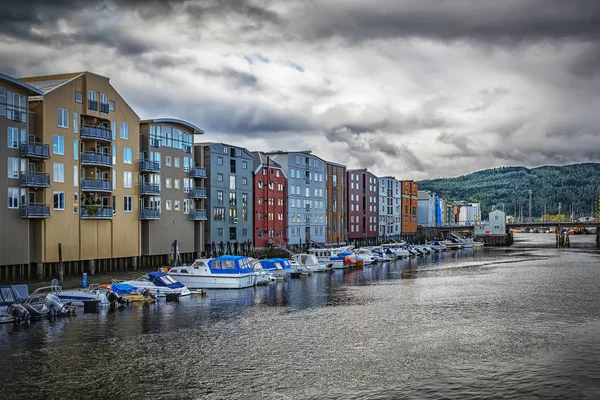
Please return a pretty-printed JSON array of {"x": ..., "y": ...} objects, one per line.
[
  {"x": 127, "y": 155},
  {"x": 78, "y": 97},
  {"x": 114, "y": 155},
  {"x": 75, "y": 122},
  {"x": 63, "y": 118},
  {"x": 75, "y": 175},
  {"x": 113, "y": 126},
  {"x": 58, "y": 145},
  {"x": 59, "y": 200},
  {"x": 127, "y": 203},
  {"x": 127, "y": 179},
  {"x": 13, "y": 167},
  {"x": 124, "y": 130},
  {"x": 75, "y": 149},
  {"x": 13, "y": 197},
  {"x": 13, "y": 138},
  {"x": 59, "y": 172}
]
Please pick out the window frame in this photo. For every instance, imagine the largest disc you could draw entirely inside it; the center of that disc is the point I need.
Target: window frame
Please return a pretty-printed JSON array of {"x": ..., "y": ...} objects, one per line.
[{"x": 54, "y": 206}]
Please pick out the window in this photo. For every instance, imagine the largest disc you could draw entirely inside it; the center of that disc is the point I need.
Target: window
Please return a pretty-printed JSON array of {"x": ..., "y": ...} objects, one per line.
[
  {"x": 244, "y": 165},
  {"x": 75, "y": 175},
  {"x": 127, "y": 203},
  {"x": 219, "y": 160},
  {"x": 127, "y": 155},
  {"x": 59, "y": 200},
  {"x": 260, "y": 185},
  {"x": 103, "y": 98},
  {"x": 186, "y": 185},
  {"x": 218, "y": 213},
  {"x": 13, "y": 167},
  {"x": 114, "y": 155},
  {"x": 176, "y": 184},
  {"x": 176, "y": 162},
  {"x": 2, "y": 101},
  {"x": 58, "y": 145},
  {"x": 13, "y": 138},
  {"x": 277, "y": 173},
  {"x": 168, "y": 161},
  {"x": 168, "y": 183},
  {"x": 219, "y": 177},
  {"x": 13, "y": 197},
  {"x": 75, "y": 203},
  {"x": 186, "y": 206},
  {"x": 168, "y": 205},
  {"x": 124, "y": 130},
  {"x": 59, "y": 172},
  {"x": 78, "y": 97},
  {"x": 75, "y": 122},
  {"x": 111, "y": 105},
  {"x": 220, "y": 232},
  {"x": 114, "y": 179},
  {"x": 75, "y": 149},
  {"x": 219, "y": 197},
  {"x": 177, "y": 206},
  {"x": 127, "y": 179},
  {"x": 63, "y": 118},
  {"x": 113, "y": 128},
  {"x": 244, "y": 181}
]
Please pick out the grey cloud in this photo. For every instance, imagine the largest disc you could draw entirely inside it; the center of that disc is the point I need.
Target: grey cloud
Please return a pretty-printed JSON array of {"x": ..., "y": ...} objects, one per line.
[{"x": 238, "y": 79}]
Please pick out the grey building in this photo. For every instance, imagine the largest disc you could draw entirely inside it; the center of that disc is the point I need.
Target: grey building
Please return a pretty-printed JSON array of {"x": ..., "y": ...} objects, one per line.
[
  {"x": 390, "y": 207},
  {"x": 230, "y": 205},
  {"x": 172, "y": 190},
  {"x": 426, "y": 214},
  {"x": 23, "y": 182},
  {"x": 306, "y": 190}
]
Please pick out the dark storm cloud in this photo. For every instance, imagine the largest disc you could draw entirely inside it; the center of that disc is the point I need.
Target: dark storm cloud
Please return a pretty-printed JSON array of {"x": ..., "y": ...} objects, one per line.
[
  {"x": 235, "y": 77},
  {"x": 480, "y": 20}
]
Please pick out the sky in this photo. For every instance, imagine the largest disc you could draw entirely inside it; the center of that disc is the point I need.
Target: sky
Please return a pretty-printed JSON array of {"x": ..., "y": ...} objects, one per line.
[{"x": 411, "y": 88}]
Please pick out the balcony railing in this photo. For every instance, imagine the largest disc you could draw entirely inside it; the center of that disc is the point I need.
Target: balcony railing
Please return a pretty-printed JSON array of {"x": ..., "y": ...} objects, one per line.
[
  {"x": 198, "y": 172},
  {"x": 96, "y": 133},
  {"x": 149, "y": 188},
  {"x": 34, "y": 150},
  {"x": 149, "y": 166},
  {"x": 104, "y": 108},
  {"x": 91, "y": 158},
  {"x": 96, "y": 185},
  {"x": 198, "y": 215},
  {"x": 149, "y": 213},
  {"x": 96, "y": 212},
  {"x": 35, "y": 179},
  {"x": 35, "y": 211},
  {"x": 93, "y": 105},
  {"x": 198, "y": 193}
]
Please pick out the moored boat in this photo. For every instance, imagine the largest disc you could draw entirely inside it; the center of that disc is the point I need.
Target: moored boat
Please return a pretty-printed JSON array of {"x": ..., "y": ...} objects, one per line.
[
  {"x": 225, "y": 272},
  {"x": 77, "y": 296},
  {"x": 280, "y": 268},
  {"x": 159, "y": 284},
  {"x": 308, "y": 262}
]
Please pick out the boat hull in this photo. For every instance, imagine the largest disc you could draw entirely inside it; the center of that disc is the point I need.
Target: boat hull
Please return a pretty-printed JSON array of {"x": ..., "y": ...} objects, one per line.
[{"x": 215, "y": 281}]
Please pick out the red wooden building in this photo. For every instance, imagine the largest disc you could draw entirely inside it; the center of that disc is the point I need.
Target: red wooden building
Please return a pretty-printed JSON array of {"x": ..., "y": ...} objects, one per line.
[
  {"x": 361, "y": 211},
  {"x": 270, "y": 202}
]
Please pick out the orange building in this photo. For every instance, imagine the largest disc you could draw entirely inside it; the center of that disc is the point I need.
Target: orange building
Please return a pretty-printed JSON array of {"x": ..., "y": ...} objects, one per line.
[{"x": 410, "y": 203}]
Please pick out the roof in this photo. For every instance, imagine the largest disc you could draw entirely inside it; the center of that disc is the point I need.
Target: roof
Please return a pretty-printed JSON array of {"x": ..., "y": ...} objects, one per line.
[
  {"x": 261, "y": 158},
  {"x": 281, "y": 152},
  {"x": 189, "y": 125},
  {"x": 32, "y": 90},
  {"x": 49, "y": 84},
  {"x": 336, "y": 164}
]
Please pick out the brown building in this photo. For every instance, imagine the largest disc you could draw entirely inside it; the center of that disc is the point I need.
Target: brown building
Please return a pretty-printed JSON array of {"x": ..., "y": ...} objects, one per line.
[
  {"x": 410, "y": 204},
  {"x": 362, "y": 212},
  {"x": 92, "y": 135},
  {"x": 21, "y": 206},
  {"x": 171, "y": 190},
  {"x": 336, "y": 203}
]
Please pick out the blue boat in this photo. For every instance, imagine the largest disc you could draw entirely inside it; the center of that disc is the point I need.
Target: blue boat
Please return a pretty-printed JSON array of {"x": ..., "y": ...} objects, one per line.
[
  {"x": 159, "y": 284},
  {"x": 225, "y": 272},
  {"x": 280, "y": 268}
]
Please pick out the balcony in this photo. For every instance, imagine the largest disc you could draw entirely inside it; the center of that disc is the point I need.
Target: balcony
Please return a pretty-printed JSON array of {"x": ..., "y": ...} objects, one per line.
[
  {"x": 91, "y": 158},
  {"x": 198, "y": 215},
  {"x": 93, "y": 105},
  {"x": 33, "y": 150},
  {"x": 96, "y": 212},
  {"x": 149, "y": 166},
  {"x": 99, "y": 133},
  {"x": 104, "y": 108},
  {"x": 35, "y": 211},
  {"x": 198, "y": 172},
  {"x": 149, "y": 188},
  {"x": 35, "y": 179},
  {"x": 96, "y": 185},
  {"x": 198, "y": 193},
  {"x": 149, "y": 213}
]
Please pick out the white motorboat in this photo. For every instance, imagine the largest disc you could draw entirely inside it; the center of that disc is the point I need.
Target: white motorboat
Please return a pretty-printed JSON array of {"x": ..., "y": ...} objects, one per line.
[
  {"x": 437, "y": 246},
  {"x": 225, "y": 272},
  {"x": 280, "y": 268},
  {"x": 77, "y": 296},
  {"x": 261, "y": 276},
  {"x": 381, "y": 254},
  {"x": 159, "y": 284},
  {"x": 397, "y": 248},
  {"x": 453, "y": 244},
  {"x": 308, "y": 262},
  {"x": 366, "y": 255},
  {"x": 330, "y": 256}
]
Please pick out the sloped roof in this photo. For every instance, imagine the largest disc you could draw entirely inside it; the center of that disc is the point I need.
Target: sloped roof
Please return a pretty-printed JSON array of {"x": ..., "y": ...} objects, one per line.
[
  {"x": 49, "y": 85},
  {"x": 189, "y": 125},
  {"x": 30, "y": 88},
  {"x": 261, "y": 158}
]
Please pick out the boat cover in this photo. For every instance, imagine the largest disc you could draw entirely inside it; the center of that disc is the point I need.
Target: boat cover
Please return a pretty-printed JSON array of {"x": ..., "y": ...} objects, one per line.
[
  {"x": 165, "y": 280},
  {"x": 230, "y": 265},
  {"x": 123, "y": 288},
  {"x": 10, "y": 294},
  {"x": 272, "y": 264}
]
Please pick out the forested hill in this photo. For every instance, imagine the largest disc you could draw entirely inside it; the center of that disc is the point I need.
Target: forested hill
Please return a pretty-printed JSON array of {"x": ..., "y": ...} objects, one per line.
[{"x": 577, "y": 184}]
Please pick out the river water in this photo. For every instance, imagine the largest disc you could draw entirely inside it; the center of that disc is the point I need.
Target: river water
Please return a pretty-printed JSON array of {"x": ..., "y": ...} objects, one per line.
[{"x": 485, "y": 323}]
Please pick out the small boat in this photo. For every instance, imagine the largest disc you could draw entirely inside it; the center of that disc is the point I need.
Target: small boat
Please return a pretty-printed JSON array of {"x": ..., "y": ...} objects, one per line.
[
  {"x": 261, "y": 276},
  {"x": 397, "y": 248},
  {"x": 345, "y": 259},
  {"x": 77, "y": 296},
  {"x": 366, "y": 255},
  {"x": 44, "y": 302},
  {"x": 326, "y": 255},
  {"x": 453, "y": 244},
  {"x": 381, "y": 254},
  {"x": 278, "y": 267},
  {"x": 131, "y": 294},
  {"x": 225, "y": 272},
  {"x": 159, "y": 284},
  {"x": 11, "y": 297},
  {"x": 308, "y": 262},
  {"x": 437, "y": 246}
]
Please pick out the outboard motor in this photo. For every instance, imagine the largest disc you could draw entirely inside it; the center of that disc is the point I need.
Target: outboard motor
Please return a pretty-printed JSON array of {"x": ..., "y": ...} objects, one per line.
[
  {"x": 18, "y": 312},
  {"x": 114, "y": 300},
  {"x": 146, "y": 293},
  {"x": 53, "y": 303}
]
